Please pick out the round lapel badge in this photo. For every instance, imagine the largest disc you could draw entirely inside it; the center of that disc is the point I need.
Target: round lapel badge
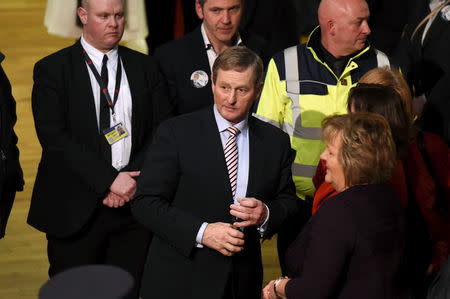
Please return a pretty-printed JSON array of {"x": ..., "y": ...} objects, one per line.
[
  {"x": 445, "y": 13},
  {"x": 199, "y": 79}
]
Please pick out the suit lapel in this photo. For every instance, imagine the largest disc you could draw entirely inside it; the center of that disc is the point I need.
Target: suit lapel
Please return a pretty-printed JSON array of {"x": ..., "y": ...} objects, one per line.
[
  {"x": 136, "y": 82},
  {"x": 213, "y": 149},
  {"x": 436, "y": 29},
  {"x": 256, "y": 157},
  {"x": 82, "y": 88},
  {"x": 197, "y": 50}
]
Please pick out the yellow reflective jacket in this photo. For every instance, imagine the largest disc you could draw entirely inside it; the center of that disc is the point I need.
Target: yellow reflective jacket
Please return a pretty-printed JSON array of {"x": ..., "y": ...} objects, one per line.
[{"x": 300, "y": 90}]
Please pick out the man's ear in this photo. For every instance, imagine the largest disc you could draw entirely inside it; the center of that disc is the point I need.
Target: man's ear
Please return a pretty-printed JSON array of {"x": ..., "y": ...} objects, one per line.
[
  {"x": 259, "y": 88},
  {"x": 82, "y": 14},
  {"x": 331, "y": 27},
  {"x": 199, "y": 9}
]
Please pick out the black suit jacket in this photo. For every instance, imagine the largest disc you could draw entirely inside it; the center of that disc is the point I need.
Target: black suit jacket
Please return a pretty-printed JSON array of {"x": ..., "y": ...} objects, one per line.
[
  {"x": 73, "y": 175},
  {"x": 427, "y": 67},
  {"x": 11, "y": 176},
  {"x": 178, "y": 59},
  {"x": 353, "y": 247},
  {"x": 425, "y": 63},
  {"x": 184, "y": 182}
]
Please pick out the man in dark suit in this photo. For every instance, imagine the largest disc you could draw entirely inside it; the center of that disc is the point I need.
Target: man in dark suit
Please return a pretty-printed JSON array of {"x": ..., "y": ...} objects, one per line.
[
  {"x": 423, "y": 56},
  {"x": 84, "y": 96},
  {"x": 11, "y": 176},
  {"x": 214, "y": 181},
  {"x": 186, "y": 63}
]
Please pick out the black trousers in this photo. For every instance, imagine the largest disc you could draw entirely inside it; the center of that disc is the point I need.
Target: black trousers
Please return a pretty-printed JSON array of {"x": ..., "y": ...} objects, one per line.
[
  {"x": 233, "y": 288},
  {"x": 112, "y": 237}
]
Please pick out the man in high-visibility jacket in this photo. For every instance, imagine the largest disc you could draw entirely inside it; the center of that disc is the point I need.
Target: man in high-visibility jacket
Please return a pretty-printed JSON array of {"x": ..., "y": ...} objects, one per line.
[{"x": 308, "y": 82}]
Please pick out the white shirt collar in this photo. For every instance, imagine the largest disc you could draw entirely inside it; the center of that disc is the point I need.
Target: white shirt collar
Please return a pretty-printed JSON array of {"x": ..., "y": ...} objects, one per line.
[
  {"x": 223, "y": 124},
  {"x": 97, "y": 55},
  {"x": 208, "y": 44}
]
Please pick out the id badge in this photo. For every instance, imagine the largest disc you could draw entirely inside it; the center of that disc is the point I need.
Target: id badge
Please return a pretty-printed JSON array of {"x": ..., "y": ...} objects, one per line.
[{"x": 115, "y": 133}]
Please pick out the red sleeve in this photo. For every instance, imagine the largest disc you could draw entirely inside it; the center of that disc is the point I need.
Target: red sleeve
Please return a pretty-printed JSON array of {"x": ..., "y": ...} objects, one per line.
[
  {"x": 323, "y": 192},
  {"x": 398, "y": 183},
  {"x": 438, "y": 154},
  {"x": 319, "y": 177}
]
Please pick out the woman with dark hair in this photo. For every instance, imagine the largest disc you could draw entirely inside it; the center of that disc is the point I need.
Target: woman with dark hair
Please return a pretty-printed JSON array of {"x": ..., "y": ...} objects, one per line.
[
  {"x": 387, "y": 102},
  {"x": 416, "y": 184},
  {"x": 353, "y": 247}
]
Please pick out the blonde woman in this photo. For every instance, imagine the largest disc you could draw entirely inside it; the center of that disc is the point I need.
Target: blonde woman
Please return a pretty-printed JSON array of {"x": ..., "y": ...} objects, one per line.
[{"x": 353, "y": 246}]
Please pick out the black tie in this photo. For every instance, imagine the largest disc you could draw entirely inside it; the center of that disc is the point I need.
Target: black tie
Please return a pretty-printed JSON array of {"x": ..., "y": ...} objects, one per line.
[
  {"x": 104, "y": 111},
  {"x": 104, "y": 108}
]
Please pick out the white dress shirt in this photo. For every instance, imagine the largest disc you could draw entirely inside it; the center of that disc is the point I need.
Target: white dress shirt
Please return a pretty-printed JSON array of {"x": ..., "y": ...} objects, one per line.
[{"x": 121, "y": 150}]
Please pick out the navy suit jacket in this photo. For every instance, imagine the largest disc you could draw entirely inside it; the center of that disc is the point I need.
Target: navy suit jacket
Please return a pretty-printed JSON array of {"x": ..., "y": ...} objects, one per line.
[{"x": 184, "y": 182}]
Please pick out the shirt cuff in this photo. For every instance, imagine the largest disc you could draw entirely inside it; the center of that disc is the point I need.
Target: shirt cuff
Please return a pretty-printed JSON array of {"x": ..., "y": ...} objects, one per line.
[
  {"x": 199, "y": 237},
  {"x": 262, "y": 228}
]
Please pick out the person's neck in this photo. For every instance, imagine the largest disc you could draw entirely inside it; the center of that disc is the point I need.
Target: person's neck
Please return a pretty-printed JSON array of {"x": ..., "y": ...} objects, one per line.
[
  {"x": 92, "y": 44},
  {"x": 218, "y": 45},
  {"x": 332, "y": 48},
  {"x": 340, "y": 188}
]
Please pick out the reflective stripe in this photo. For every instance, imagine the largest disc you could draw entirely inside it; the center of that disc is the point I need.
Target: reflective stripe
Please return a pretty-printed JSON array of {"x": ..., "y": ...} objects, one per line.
[
  {"x": 382, "y": 59},
  {"x": 307, "y": 132},
  {"x": 303, "y": 170},
  {"x": 296, "y": 129},
  {"x": 293, "y": 91},
  {"x": 291, "y": 66},
  {"x": 267, "y": 120}
]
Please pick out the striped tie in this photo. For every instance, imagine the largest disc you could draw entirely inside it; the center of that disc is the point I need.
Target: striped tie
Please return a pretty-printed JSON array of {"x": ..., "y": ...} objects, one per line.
[{"x": 231, "y": 157}]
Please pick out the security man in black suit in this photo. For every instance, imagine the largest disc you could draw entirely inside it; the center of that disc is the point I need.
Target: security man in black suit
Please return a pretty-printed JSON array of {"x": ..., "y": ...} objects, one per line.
[{"x": 95, "y": 105}]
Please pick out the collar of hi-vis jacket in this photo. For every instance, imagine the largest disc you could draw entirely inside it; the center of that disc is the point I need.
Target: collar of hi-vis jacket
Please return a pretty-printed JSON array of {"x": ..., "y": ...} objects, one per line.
[{"x": 313, "y": 42}]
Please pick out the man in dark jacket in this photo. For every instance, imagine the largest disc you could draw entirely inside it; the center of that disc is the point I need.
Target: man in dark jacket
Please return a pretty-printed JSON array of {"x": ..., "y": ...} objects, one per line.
[
  {"x": 11, "y": 176},
  {"x": 95, "y": 106},
  {"x": 186, "y": 63}
]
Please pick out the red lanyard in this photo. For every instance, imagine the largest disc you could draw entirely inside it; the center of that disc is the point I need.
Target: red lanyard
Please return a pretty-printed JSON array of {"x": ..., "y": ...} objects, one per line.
[{"x": 103, "y": 88}]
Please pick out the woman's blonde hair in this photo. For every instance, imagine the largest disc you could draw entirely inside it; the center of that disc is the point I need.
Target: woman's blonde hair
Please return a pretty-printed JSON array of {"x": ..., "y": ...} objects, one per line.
[
  {"x": 393, "y": 78},
  {"x": 367, "y": 151}
]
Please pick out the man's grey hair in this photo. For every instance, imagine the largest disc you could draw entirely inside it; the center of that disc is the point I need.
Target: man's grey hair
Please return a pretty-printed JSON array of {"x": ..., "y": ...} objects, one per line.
[{"x": 202, "y": 2}]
